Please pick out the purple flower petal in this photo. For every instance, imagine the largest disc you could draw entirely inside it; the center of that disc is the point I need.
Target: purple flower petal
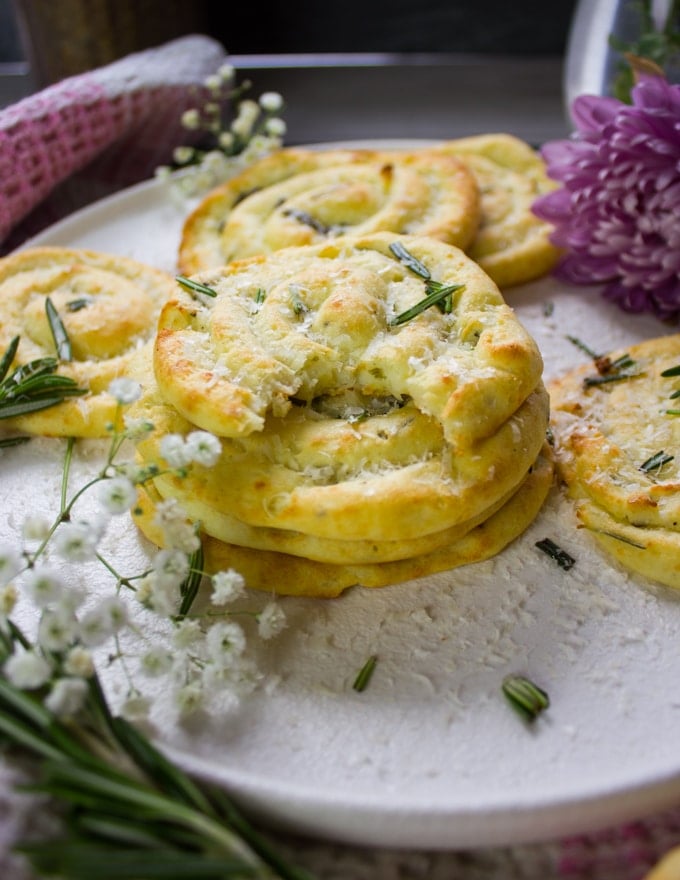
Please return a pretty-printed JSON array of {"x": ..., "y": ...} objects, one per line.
[{"x": 617, "y": 213}]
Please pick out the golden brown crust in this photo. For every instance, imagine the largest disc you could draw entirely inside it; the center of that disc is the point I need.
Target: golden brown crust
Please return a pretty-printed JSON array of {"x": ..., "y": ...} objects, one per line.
[{"x": 297, "y": 197}]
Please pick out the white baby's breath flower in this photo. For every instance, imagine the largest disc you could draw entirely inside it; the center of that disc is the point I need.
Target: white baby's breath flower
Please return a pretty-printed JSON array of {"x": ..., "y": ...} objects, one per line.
[
  {"x": 248, "y": 111},
  {"x": 213, "y": 82},
  {"x": 191, "y": 119},
  {"x": 44, "y": 585},
  {"x": 8, "y": 599},
  {"x": 117, "y": 495},
  {"x": 159, "y": 595},
  {"x": 226, "y": 72},
  {"x": 101, "y": 622},
  {"x": 226, "y": 140},
  {"x": 174, "y": 451},
  {"x": 35, "y": 528},
  {"x": 275, "y": 126},
  {"x": 189, "y": 699},
  {"x": 156, "y": 661},
  {"x": 136, "y": 428},
  {"x": 79, "y": 663},
  {"x": 27, "y": 669},
  {"x": 76, "y": 542},
  {"x": 125, "y": 390},
  {"x": 57, "y": 630},
  {"x": 227, "y": 586},
  {"x": 203, "y": 447},
  {"x": 225, "y": 642},
  {"x": 10, "y": 563},
  {"x": 271, "y": 102},
  {"x": 182, "y": 155},
  {"x": 170, "y": 567},
  {"x": 271, "y": 620},
  {"x": 67, "y": 697},
  {"x": 187, "y": 633},
  {"x": 136, "y": 707},
  {"x": 176, "y": 530}
]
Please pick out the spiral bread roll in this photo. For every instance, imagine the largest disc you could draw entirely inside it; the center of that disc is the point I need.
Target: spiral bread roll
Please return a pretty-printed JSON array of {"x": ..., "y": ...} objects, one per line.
[
  {"x": 296, "y": 197},
  {"x": 616, "y": 434},
  {"x": 306, "y": 322},
  {"x": 109, "y": 306},
  {"x": 512, "y": 244},
  {"x": 357, "y": 447}
]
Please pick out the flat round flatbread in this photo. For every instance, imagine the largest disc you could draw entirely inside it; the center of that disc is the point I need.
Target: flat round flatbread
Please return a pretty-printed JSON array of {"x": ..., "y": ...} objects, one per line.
[
  {"x": 512, "y": 244},
  {"x": 616, "y": 424},
  {"x": 297, "y": 197},
  {"x": 293, "y": 575},
  {"x": 309, "y": 323},
  {"x": 109, "y": 307}
]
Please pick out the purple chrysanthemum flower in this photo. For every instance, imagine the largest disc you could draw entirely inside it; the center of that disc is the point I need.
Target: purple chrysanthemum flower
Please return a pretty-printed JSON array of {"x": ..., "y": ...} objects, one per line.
[{"x": 617, "y": 214}]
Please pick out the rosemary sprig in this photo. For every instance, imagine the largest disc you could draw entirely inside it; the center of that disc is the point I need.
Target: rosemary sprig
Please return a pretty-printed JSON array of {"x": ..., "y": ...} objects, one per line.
[
  {"x": 436, "y": 293},
  {"x": 32, "y": 386},
  {"x": 560, "y": 556},
  {"x": 527, "y": 698},
  {"x": 195, "y": 286},
  {"x": 128, "y": 811},
  {"x": 365, "y": 674},
  {"x": 59, "y": 334}
]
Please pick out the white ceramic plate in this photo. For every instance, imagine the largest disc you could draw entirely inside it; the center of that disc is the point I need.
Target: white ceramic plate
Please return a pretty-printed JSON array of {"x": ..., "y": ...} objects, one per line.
[{"x": 431, "y": 755}]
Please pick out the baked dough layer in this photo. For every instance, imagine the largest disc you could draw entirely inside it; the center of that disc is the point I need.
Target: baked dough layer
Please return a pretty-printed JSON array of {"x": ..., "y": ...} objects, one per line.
[
  {"x": 607, "y": 435},
  {"x": 311, "y": 322},
  {"x": 109, "y": 306},
  {"x": 284, "y": 574}
]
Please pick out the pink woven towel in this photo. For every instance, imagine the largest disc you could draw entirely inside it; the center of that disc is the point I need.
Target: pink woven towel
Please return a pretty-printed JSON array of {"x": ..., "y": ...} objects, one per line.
[{"x": 134, "y": 104}]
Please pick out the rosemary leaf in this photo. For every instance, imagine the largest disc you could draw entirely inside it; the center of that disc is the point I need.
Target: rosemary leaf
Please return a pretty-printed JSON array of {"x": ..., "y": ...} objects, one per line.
[
  {"x": 671, "y": 371},
  {"x": 195, "y": 286},
  {"x": 561, "y": 557},
  {"x": 656, "y": 462},
  {"x": 365, "y": 674},
  {"x": 307, "y": 220},
  {"x": 8, "y": 357},
  {"x": 189, "y": 587},
  {"x": 413, "y": 263},
  {"x": 593, "y": 381},
  {"x": 527, "y": 698},
  {"x": 436, "y": 297},
  {"x": 75, "y": 305},
  {"x": 59, "y": 334},
  {"x": 583, "y": 347},
  {"x": 22, "y": 408},
  {"x": 8, "y": 442}
]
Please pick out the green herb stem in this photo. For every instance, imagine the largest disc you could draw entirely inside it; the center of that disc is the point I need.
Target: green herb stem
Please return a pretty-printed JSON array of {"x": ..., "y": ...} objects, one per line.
[
  {"x": 527, "y": 698},
  {"x": 365, "y": 674},
  {"x": 195, "y": 286}
]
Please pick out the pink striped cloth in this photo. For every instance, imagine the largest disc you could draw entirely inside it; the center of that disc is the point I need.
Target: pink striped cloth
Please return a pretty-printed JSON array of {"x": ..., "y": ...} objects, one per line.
[{"x": 124, "y": 115}]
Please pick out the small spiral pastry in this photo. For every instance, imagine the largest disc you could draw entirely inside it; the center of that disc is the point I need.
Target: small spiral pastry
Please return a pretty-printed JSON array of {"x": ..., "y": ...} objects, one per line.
[
  {"x": 616, "y": 429},
  {"x": 108, "y": 306},
  {"x": 512, "y": 244},
  {"x": 303, "y": 324},
  {"x": 298, "y": 197}
]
